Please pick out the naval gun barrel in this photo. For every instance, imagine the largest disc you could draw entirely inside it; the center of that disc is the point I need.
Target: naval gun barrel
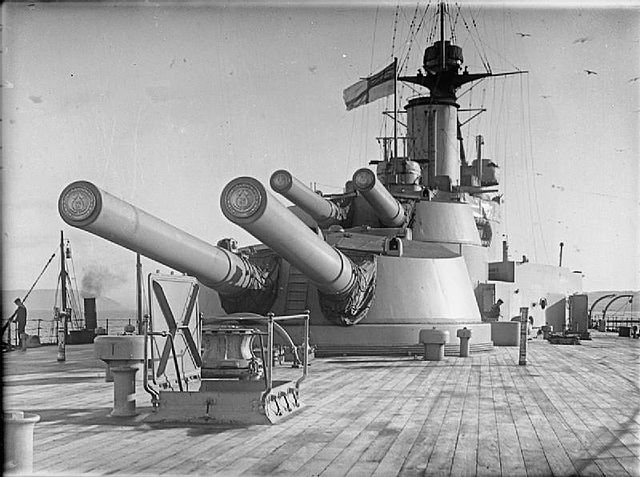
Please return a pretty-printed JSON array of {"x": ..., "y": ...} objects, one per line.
[
  {"x": 85, "y": 206},
  {"x": 323, "y": 211},
  {"x": 246, "y": 202},
  {"x": 389, "y": 211}
]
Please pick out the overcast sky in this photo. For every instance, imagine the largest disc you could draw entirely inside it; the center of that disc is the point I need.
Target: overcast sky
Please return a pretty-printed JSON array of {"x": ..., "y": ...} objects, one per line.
[{"x": 163, "y": 105}]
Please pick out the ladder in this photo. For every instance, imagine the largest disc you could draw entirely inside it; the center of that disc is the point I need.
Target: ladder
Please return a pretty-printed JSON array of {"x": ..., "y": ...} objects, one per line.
[{"x": 297, "y": 288}]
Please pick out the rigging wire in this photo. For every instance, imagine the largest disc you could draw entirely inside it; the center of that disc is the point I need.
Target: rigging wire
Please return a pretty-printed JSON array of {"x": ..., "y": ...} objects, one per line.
[
  {"x": 527, "y": 177},
  {"x": 395, "y": 30},
  {"x": 454, "y": 23},
  {"x": 375, "y": 28},
  {"x": 77, "y": 293},
  {"x": 624, "y": 305},
  {"x": 434, "y": 28},
  {"x": 473, "y": 85},
  {"x": 414, "y": 30},
  {"x": 452, "y": 33},
  {"x": 405, "y": 56},
  {"x": 39, "y": 276},
  {"x": 424, "y": 16},
  {"x": 533, "y": 174},
  {"x": 482, "y": 57},
  {"x": 482, "y": 52}
]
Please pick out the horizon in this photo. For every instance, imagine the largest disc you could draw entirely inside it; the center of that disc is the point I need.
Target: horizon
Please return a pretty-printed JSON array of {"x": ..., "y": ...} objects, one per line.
[{"x": 8, "y": 306}]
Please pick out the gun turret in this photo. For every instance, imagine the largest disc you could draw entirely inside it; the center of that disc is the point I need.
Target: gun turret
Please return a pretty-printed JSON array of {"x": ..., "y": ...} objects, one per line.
[
  {"x": 245, "y": 202},
  {"x": 85, "y": 206},
  {"x": 389, "y": 211},
  {"x": 346, "y": 289},
  {"x": 323, "y": 211}
]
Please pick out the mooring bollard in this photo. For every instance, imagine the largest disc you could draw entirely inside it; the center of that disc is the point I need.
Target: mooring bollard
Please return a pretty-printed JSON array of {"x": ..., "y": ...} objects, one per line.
[
  {"x": 18, "y": 442},
  {"x": 108, "y": 375},
  {"x": 465, "y": 335},
  {"x": 434, "y": 341},
  {"x": 123, "y": 355},
  {"x": 524, "y": 313},
  {"x": 124, "y": 391}
]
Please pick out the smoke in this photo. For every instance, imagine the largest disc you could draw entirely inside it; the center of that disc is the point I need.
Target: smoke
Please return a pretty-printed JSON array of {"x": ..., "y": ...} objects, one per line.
[{"x": 99, "y": 279}]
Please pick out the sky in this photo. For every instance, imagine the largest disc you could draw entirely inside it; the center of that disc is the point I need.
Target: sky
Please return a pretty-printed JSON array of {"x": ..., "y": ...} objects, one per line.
[{"x": 163, "y": 104}]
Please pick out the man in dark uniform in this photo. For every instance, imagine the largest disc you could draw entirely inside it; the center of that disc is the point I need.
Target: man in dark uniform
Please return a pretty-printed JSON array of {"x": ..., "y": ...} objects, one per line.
[
  {"x": 494, "y": 312},
  {"x": 21, "y": 319}
]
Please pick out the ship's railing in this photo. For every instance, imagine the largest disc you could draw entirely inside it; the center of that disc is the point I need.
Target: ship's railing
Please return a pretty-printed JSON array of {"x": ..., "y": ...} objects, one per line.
[
  {"x": 616, "y": 320},
  {"x": 404, "y": 144},
  {"x": 47, "y": 332}
]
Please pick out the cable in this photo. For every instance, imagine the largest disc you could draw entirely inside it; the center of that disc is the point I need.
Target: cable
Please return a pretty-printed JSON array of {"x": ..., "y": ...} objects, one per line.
[
  {"x": 76, "y": 297},
  {"x": 39, "y": 276},
  {"x": 466, "y": 25},
  {"x": 535, "y": 188}
]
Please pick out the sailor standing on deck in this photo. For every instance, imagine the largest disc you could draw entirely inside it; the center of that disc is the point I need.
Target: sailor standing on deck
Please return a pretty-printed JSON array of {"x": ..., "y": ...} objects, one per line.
[
  {"x": 21, "y": 319},
  {"x": 494, "y": 312}
]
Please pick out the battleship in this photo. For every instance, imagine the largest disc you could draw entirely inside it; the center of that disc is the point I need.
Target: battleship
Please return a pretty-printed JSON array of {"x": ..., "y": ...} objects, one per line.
[
  {"x": 406, "y": 247},
  {"x": 312, "y": 351}
]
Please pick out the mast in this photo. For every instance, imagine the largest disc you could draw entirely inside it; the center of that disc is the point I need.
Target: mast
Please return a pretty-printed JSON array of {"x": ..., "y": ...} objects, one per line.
[
  {"x": 63, "y": 273},
  {"x": 395, "y": 107},
  {"x": 443, "y": 49},
  {"x": 433, "y": 119},
  {"x": 139, "y": 293},
  {"x": 63, "y": 325},
  {"x": 442, "y": 66}
]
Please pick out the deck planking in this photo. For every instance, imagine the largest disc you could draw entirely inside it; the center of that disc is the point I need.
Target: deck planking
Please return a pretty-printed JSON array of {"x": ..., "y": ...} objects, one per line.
[{"x": 572, "y": 410}]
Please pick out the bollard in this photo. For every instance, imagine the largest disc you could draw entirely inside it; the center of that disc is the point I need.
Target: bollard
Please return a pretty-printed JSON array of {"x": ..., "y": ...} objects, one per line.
[
  {"x": 123, "y": 355},
  {"x": 124, "y": 391},
  {"x": 108, "y": 375},
  {"x": 546, "y": 329},
  {"x": 434, "y": 341},
  {"x": 465, "y": 335},
  {"x": 18, "y": 442},
  {"x": 524, "y": 313}
]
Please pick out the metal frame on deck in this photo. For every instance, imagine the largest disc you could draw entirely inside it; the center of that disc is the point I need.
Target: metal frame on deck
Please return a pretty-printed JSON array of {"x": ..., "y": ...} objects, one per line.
[
  {"x": 271, "y": 321},
  {"x": 613, "y": 324}
]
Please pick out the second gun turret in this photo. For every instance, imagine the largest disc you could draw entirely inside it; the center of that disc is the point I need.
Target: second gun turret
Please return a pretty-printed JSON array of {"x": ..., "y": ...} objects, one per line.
[{"x": 346, "y": 289}]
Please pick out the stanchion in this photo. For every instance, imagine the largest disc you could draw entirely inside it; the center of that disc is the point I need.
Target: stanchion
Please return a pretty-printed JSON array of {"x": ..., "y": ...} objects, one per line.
[
  {"x": 524, "y": 313},
  {"x": 465, "y": 335},
  {"x": 62, "y": 336}
]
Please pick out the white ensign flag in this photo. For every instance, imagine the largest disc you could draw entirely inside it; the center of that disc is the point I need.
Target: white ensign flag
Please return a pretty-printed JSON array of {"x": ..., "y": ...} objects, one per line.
[{"x": 369, "y": 89}]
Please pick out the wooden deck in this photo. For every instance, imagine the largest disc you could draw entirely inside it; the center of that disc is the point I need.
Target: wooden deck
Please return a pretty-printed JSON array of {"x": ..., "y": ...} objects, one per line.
[{"x": 572, "y": 410}]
